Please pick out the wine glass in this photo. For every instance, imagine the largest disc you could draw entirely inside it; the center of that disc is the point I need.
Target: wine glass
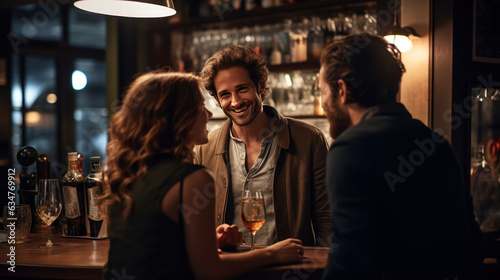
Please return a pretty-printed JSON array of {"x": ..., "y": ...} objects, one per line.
[
  {"x": 253, "y": 212},
  {"x": 48, "y": 204}
]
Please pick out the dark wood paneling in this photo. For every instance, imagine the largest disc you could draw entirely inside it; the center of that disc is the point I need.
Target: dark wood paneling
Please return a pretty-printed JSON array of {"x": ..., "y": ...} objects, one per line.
[{"x": 5, "y": 108}]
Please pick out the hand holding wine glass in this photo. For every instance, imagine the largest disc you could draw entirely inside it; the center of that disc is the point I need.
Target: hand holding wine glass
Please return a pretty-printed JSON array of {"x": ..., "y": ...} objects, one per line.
[
  {"x": 48, "y": 204},
  {"x": 253, "y": 212}
]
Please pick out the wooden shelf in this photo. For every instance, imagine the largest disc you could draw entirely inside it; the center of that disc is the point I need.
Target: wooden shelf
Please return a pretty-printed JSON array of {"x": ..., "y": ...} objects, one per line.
[
  {"x": 294, "y": 116},
  {"x": 232, "y": 18},
  {"x": 308, "y": 65}
]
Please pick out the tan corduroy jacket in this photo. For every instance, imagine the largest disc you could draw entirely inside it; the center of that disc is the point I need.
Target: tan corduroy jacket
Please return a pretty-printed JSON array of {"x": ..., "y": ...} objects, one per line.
[{"x": 300, "y": 196}]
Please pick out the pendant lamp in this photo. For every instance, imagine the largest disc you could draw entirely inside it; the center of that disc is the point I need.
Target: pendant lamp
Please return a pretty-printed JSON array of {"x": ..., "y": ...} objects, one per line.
[{"x": 128, "y": 8}]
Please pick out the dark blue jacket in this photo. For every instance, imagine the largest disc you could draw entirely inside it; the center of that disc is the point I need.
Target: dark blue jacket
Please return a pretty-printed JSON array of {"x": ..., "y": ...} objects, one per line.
[{"x": 399, "y": 206}]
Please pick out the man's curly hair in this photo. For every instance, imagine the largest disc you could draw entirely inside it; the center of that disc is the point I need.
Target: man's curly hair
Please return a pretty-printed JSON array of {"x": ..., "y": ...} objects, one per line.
[{"x": 235, "y": 56}]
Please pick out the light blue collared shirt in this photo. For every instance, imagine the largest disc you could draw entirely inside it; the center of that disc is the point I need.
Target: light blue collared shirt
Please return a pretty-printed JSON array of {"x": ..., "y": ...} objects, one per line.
[{"x": 259, "y": 177}]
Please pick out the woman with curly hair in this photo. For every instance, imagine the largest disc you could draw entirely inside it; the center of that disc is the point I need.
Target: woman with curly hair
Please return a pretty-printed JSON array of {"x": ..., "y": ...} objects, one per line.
[{"x": 160, "y": 205}]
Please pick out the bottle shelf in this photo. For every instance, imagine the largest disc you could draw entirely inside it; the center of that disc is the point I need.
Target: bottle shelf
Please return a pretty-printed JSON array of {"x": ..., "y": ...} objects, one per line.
[
  {"x": 228, "y": 16},
  {"x": 288, "y": 116},
  {"x": 285, "y": 67}
]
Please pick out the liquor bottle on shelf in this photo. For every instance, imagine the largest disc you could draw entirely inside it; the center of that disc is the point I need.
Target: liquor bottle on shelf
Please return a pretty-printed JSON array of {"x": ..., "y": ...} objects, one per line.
[
  {"x": 237, "y": 5},
  {"x": 342, "y": 27},
  {"x": 74, "y": 197},
  {"x": 212, "y": 7},
  {"x": 249, "y": 5},
  {"x": 267, "y": 3},
  {"x": 93, "y": 186},
  {"x": 316, "y": 40},
  {"x": 329, "y": 29},
  {"x": 276, "y": 53},
  {"x": 279, "y": 2},
  {"x": 286, "y": 39}
]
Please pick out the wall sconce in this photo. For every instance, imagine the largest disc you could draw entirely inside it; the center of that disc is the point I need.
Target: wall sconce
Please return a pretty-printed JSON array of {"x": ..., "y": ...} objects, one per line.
[
  {"x": 129, "y": 8},
  {"x": 401, "y": 37}
]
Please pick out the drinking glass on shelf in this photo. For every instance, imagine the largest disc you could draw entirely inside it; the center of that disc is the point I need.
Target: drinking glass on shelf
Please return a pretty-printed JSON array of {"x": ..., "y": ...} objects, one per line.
[
  {"x": 253, "y": 212},
  {"x": 48, "y": 204}
]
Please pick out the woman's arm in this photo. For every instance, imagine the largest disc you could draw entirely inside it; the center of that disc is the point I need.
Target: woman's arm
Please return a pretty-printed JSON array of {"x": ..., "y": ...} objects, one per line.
[{"x": 201, "y": 242}]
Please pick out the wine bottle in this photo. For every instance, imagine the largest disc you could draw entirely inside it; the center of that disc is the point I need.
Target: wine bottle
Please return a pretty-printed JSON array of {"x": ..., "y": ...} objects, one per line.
[
  {"x": 93, "y": 186},
  {"x": 43, "y": 166},
  {"x": 80, "y": 162},
  {"x": 74, "y": 197}
]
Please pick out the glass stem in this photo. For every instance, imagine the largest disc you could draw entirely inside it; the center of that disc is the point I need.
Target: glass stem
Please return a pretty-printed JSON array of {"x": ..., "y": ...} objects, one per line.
[
  {"x": 253, "y": 237},
  {"x": 49, "y": 242}
]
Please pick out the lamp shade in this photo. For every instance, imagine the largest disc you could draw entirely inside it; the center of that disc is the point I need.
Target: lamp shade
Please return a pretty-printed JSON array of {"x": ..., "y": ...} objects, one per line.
[
  {"x": 399, "y": 37},
  {"x": 127, "y": 8}
]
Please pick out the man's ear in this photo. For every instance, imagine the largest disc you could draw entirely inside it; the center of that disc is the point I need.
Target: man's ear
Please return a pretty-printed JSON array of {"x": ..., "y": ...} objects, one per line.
[
  {"x": 342, "y": 90},
  {"x": 262, "y": 87}
]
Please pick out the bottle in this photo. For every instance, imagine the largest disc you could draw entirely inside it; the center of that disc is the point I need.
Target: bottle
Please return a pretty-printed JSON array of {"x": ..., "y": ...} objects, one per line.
[
  {"x": 276, "y": 53},
  {"x": 237, "y": 5},
  {"x": 318, "y": 109},
  {"x": 329, "y": 29},
  {"x": 80, "y": 162},
  {"x": 249, "y": 5},
  {"x": 342, "y": 26},
  {"x": 93, "y": 187},
  {"x": 286, "y": 39},
  {"x": 315, "y": 41},
  {"x": 43, "y": 166},
  {"x": 74, "y": 197},
  {"x": 212, "y": 7},
  {"x": 267, "y": 3}
]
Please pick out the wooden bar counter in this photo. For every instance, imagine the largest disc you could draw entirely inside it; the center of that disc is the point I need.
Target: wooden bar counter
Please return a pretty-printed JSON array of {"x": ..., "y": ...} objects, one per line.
[
  {"x": 72, "y": 259},
  {"x": 84, "y": 259}
]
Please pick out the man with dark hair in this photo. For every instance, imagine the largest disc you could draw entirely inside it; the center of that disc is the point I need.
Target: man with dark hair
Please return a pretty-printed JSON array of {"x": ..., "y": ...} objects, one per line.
[
  {"x": 259, "y": 149},
  {"x": 400, "y": 209}
]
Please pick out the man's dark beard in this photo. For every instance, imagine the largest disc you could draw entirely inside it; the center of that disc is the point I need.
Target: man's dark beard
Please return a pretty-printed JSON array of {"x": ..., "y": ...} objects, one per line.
[{"x": 339, "y": 120}]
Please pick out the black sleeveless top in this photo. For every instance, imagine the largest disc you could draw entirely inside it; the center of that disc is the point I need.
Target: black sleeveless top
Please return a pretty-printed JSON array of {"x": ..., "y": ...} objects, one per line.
[{"x": 147, "y": 244}]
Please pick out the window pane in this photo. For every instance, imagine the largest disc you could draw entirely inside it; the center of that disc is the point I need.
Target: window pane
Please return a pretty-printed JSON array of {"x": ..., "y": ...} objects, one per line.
[
  {"x": 41, "y": 131},
  {"x": 87, "y": 29},
  {"x": 16, "y": 138},
  {"x": 38, "y": 21},
  {"x": 40, "y": 118},
  {"x": 91, "y": 113},
  {"x": 41, "y": 113},
  {"x": 40, "y": 83},
  {"x": 16, "y": 94}
]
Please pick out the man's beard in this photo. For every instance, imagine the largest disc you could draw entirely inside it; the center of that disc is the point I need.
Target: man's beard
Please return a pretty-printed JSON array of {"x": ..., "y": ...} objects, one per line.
[
  {"x": 338, "y": 118},
  {"x": 254, "y": 106}
]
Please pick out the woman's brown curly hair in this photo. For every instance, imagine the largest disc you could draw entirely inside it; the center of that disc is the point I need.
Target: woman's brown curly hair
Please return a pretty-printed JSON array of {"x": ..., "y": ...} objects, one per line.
[{"x": 156, "y": 117}]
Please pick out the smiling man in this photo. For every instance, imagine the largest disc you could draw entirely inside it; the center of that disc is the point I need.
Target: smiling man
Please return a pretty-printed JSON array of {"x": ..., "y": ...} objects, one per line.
[{"x": 259, "y": 149}]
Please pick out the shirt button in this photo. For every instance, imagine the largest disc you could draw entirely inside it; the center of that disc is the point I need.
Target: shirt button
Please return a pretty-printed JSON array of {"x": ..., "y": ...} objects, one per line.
[
  {"x": 224, "y": 182},
  {"x": 218, "y": 217}
]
